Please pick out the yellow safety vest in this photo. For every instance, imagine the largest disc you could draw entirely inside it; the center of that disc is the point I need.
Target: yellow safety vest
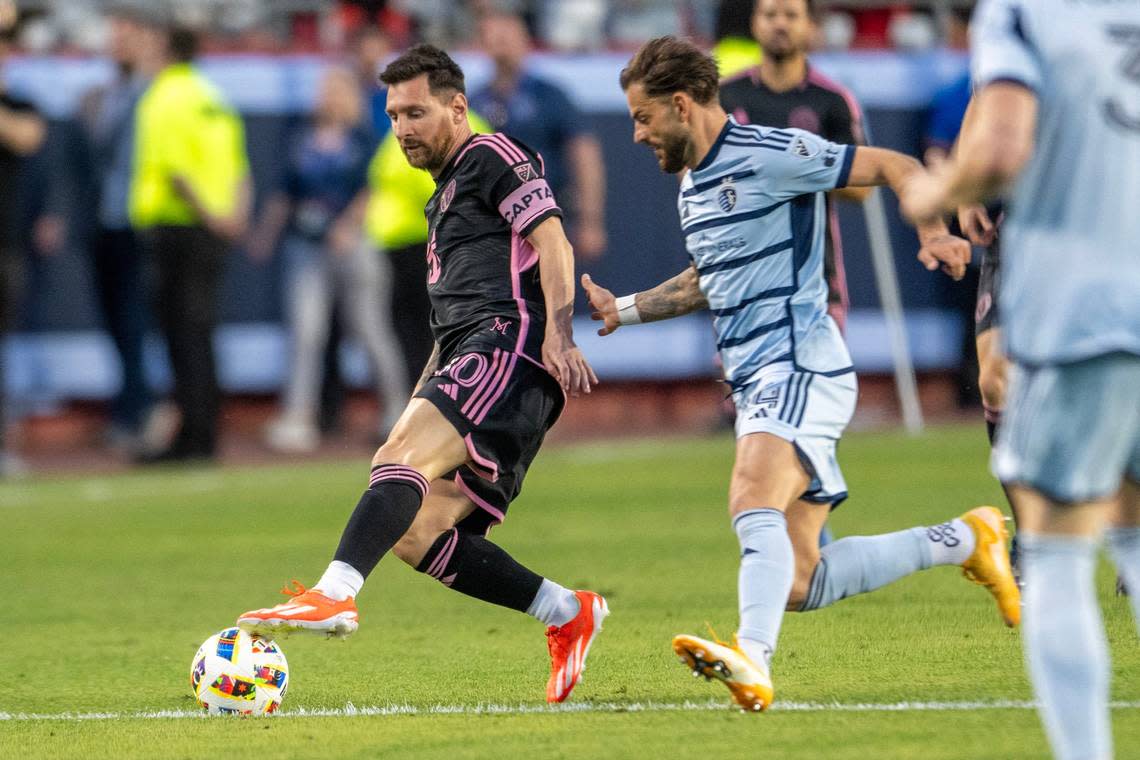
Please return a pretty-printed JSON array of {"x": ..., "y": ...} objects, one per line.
[
  {"x": 398, "y": 192},
  {"x": 735, "y": 54},
  {"x": 183, "y": 127}
]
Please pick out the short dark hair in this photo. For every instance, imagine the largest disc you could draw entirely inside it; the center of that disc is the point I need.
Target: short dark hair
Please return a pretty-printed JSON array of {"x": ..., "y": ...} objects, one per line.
[
  {"x": 666, "y": 65},
  {"x": 183, "y": 44},
  {"x": 442, "y": 72}
]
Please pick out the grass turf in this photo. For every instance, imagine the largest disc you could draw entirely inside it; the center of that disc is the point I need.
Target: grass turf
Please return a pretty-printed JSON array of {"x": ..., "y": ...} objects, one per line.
[{"x": 113, "y": 582}]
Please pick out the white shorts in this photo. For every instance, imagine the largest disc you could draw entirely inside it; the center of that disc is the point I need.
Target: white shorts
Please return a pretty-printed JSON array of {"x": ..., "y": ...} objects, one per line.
[
  {"x": 810, "y": 411},
  {"x": 1072, "y": 431}
]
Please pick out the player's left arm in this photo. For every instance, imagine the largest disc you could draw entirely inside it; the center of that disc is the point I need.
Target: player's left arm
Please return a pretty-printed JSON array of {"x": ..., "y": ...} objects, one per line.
[
  {"x": 846, "y": 128},
  {"x": 560, "y": 354},
  {"x": 879, "y": 166},
  {"x": 996, "y": 142}
]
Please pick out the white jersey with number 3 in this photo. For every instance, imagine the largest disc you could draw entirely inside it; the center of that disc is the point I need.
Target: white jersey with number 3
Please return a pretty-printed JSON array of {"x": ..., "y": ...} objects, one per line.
[{"x": 1071, "y": 241}]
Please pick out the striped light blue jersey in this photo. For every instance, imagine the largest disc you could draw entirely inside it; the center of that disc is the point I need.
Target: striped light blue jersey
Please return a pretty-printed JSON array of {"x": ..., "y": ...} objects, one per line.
[
  {"x": 753, "y": 217},
  {"x": 1071, "y": 239}
]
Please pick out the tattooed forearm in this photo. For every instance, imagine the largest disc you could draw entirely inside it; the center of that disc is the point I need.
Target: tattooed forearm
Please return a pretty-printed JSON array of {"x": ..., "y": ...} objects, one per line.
[
  {"x": 429, "y": 369},
  {"x": 672, "y": 298}
]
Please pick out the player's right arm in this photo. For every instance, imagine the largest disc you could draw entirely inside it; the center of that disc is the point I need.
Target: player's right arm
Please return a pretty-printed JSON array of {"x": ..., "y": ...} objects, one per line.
[
  {"x": 675, "y": 297},
  {"x": 879, "y": 166}
]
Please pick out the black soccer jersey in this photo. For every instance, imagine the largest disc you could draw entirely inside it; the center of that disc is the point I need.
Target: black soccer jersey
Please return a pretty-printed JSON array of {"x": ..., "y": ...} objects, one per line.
[{"x": 482, "y": 274}]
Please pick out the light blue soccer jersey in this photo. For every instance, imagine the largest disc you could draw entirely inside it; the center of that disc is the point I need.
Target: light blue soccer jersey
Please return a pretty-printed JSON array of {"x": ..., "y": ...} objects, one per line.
[
  {"x": 1071, "y": 240},
  {"x": 753, "y": 218}
]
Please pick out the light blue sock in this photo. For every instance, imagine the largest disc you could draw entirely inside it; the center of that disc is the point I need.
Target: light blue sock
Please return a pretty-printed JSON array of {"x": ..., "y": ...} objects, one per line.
[
  {"x": 1065, "y": 648},
  {"x": 1124, "y": 543},
  {"x": 858, "y": 564},
  {"x": 767, "y": 567}
]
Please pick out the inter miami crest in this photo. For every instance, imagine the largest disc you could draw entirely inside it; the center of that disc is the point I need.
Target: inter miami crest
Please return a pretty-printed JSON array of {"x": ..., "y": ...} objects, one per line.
[
  {"x": 526, "y": 172},
  {"x": 447, "y": 197},
  {"x": 726, "y": 198}
]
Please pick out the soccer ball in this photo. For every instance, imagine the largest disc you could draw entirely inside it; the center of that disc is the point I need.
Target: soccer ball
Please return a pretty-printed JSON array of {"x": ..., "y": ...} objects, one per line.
[{"x": 237, "y": 674}]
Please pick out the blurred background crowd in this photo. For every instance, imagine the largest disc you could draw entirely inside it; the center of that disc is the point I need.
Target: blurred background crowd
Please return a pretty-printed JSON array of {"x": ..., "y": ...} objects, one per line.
[{"x": 202, "y": 201}]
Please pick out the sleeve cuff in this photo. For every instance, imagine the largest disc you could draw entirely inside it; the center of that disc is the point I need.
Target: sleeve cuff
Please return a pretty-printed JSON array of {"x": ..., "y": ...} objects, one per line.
[{"x": 845, "y": 167}]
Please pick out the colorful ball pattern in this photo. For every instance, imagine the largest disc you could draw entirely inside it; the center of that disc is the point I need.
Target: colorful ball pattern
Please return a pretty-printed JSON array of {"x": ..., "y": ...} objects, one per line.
[{"x": 234, "y": 673}]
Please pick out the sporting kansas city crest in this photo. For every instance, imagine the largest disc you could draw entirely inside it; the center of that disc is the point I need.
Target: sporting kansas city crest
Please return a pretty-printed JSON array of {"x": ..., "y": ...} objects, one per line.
[{"x": 726, "y": 197}]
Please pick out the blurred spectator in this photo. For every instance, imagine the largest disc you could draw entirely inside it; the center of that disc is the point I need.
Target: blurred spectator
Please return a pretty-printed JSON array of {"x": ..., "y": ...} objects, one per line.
[
  {"x": 540, "y": 114},
  {"x": 395, "y": 223},
  {"x": 735, "y": 49},
  {"x": 328, "y": 264},
  {"x": 948, "y": 107},
  {"x": 785, "y": 91},
  {"x": 22, "y": 132},
  {"x": 107, "y": 119},
  {"x": 189, "y": 197},
  {"x": 633, "y": 22},
  {"x": 369, "y": 46}
]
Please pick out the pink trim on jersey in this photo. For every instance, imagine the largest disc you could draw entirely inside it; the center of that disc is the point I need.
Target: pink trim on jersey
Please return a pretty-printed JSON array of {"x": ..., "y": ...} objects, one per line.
[
  {"x": 517, "y": 246},
  {"x": 497, "y": 514},
  {"x": 498, "y": 143},
  {"x": 490, "y": 469},
  {"x": 508, "y": 145},
  {"x": 522, "y": 206},
  {"x": 852, "y": 104}
]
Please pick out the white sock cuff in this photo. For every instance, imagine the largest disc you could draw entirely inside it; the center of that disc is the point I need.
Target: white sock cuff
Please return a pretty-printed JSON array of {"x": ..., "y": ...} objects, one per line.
[{"x": 340, "y": 581}]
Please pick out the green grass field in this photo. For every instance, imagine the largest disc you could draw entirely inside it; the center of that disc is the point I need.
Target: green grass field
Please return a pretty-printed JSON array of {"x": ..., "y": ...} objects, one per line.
[{"x": 111, "y": 584}]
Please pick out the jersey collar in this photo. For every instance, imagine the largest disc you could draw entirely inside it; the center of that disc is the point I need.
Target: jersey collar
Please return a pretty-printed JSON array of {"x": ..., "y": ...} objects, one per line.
[
  {"x": 715, "y": 149},
  {"x": 450, "y": 166}
]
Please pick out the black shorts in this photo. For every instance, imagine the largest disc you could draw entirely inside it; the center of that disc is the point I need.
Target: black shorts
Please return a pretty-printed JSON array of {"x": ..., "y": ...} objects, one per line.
[
  {"x": 986, "y": 315},
  {"x": 502, "y": 404}
]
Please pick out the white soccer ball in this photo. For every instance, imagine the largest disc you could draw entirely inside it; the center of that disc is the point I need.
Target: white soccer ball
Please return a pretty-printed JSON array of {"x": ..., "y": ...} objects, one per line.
[{"x": 234, "y": 673}]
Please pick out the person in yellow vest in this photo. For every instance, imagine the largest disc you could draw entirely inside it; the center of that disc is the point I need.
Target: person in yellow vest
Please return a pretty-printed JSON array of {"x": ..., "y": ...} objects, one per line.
[
  {"x": 189, "y": 200},
  {"x": 394, "y": 221}
]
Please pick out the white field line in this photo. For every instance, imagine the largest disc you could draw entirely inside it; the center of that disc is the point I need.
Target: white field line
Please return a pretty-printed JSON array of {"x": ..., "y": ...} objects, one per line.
[{"x": 350, "y": 710}]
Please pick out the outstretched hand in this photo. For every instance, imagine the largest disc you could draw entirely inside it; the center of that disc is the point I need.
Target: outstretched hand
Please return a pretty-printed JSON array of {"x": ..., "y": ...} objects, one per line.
[
  {"x": 947, "y": 251},
  {"x": 604, "y": 306},
  {"x": 565, "y": 362}
]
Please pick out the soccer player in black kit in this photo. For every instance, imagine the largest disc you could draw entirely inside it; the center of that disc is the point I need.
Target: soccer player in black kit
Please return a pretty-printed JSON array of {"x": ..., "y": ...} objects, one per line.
[{"x": 501, "y": 279}]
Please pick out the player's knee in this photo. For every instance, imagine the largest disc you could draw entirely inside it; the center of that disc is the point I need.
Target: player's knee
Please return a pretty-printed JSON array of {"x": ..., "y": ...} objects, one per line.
[{"x": 413, "y": 546}]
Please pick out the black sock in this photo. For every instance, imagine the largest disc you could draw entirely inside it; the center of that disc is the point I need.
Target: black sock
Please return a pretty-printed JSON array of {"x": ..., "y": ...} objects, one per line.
[
  {"x": 472, "y": 565},
  {"x": 382, "y": 517},
  {"x": 991, "y": 431}
]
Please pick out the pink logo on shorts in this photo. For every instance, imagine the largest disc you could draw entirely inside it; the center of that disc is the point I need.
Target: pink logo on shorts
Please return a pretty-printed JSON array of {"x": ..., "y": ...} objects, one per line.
[{"x": 500, "y": 326}]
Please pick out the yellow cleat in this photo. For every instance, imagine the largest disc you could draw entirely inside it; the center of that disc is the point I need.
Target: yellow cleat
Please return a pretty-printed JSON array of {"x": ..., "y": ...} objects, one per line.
[
  {"x": 749, "y": 683},
  {"x": 989, "y": 564}
]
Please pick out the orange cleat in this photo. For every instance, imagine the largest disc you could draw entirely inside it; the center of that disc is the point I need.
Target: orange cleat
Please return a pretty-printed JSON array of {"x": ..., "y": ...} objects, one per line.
[
  {"x": 989, "y": 564},
  {"x": 749, "y": 683},
  {"x": 306, "y": 610},
  {"x": 569, "y": 644}
]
